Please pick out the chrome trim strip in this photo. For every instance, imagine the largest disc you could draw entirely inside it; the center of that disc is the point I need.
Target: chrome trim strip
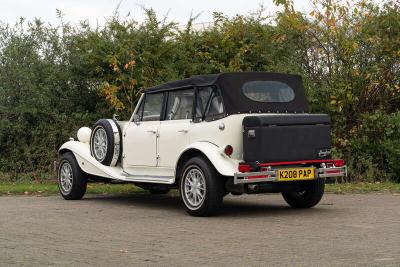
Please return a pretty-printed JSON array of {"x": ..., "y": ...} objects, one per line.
[
  {"x": 238, "y": 175},
  {"x": 342, "y": 172},
  {"x": 117, "y": 142},
  {"x": 146, "y": 176},
  {"x": 241, "y": 177}
]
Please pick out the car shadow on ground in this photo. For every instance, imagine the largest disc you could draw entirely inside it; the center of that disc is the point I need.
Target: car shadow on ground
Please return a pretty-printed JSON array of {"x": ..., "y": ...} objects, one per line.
[{"x": 232, "y": 206}]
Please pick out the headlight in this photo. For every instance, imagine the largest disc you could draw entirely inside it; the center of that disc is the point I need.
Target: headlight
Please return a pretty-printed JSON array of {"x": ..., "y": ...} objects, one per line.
[{"x": 84, "y": 134}]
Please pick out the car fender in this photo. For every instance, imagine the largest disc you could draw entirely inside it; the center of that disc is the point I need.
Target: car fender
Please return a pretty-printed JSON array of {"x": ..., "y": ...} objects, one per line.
[
  {"x": 85, "y": 160},
  {"x": 221, "y": 162}
]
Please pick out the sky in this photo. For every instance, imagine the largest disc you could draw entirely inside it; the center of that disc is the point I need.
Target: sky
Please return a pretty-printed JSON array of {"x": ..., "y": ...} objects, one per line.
[{"x": 96, "y": 11}]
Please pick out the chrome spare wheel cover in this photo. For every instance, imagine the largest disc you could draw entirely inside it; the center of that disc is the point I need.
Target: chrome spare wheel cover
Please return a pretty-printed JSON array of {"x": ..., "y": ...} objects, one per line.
[
  {"x": 100, "y": 144},
  {"x": 194, "y": 188},
  {"x": 116, "y": 142},
  {"x": 66, "y": 177}
]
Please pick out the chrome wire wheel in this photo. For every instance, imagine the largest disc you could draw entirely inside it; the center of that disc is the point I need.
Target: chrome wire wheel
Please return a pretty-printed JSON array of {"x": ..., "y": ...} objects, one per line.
[
  {"x": 194, "y": 187},
  {"x": 100, "y": 144},
  {"x": 66, "y": 177}
]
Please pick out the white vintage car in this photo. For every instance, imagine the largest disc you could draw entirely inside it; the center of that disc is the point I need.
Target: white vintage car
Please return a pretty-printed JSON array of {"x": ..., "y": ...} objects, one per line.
[{"x": 208, "y": 136}]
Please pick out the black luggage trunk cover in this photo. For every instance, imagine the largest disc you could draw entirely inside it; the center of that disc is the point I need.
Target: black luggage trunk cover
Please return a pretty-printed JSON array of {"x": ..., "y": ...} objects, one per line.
[{"x": 291, "y": 137}]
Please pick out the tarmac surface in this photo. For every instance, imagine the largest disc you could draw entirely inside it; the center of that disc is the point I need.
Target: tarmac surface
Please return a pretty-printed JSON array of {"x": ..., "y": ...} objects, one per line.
[{"x": 253, "y": 230}]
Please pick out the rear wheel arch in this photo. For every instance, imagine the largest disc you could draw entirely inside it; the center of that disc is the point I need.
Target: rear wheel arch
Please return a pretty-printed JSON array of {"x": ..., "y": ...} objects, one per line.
[{"x": 187, "y": 155}]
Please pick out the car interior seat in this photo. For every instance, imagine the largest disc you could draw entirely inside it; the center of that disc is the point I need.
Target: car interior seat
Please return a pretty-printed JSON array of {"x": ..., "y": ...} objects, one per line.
[
  {"x": 185, "y": 108},
  {"x": 216, "y": 106},
  {"x": 174, "y": 109}
]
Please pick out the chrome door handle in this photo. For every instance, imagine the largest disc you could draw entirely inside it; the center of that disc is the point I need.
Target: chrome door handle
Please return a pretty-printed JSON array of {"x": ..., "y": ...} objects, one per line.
[
  {"x": 152, "y": 131},
  {"x": 183, "y": 131}
]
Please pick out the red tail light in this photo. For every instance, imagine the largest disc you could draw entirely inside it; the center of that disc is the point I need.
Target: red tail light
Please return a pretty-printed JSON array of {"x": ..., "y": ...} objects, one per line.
[
  {"x": 228, "y": 150},
  {"x": 244, "y": 168},
  {"x": 333, "y": 172},
  {"x": 338, "y": 162}
]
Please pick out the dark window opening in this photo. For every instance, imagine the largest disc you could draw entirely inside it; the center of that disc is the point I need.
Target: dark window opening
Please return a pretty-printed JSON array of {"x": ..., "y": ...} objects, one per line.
[
  {"x": 209, "y": 103},
  {"x": 180, "y": 105},
  {"x": 152, "y": 107}
]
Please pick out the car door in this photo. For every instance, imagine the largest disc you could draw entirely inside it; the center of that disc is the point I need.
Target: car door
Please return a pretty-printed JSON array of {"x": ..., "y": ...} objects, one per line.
[
  {"x": 175, "y": 128},
  {"x": 140, "y": 137}
]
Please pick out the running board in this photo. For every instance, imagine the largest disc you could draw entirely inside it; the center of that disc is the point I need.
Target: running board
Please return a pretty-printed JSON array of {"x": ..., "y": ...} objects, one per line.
[{"x": 147, "y": 178}]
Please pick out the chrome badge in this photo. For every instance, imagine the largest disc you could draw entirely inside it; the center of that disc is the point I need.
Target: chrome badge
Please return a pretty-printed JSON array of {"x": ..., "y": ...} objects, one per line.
[
  {"x": 251, "y": 134},
  {"x": 323, "y": 153}
]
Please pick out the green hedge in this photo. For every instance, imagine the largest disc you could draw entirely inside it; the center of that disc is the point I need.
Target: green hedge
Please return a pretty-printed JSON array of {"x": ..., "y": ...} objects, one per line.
[{"x": 54, "y": 79}]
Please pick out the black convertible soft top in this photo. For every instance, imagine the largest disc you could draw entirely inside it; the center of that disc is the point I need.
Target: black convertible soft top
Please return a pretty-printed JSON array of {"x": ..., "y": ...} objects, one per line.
[{"x": 230, "y": 85}]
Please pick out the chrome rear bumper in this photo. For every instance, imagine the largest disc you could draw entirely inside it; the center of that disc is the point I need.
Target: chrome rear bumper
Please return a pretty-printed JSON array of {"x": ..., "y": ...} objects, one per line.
[{"x": 271, "y": 175}]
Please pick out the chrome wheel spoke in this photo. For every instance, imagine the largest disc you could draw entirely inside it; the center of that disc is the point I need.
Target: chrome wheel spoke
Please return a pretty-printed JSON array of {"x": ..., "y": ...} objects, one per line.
[
  {"x": 100, "y": 144},
  {"x": 66, "y": 178},
  {"x": 194, "y": 187}
]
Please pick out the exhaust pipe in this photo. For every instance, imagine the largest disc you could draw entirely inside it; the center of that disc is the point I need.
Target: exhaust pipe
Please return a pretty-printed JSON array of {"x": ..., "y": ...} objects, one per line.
[{"x": 253, "y": 187}]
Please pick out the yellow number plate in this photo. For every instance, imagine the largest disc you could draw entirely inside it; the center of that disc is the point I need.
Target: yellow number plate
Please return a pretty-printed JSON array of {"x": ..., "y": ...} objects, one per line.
[{"x": 296, "y": 174}]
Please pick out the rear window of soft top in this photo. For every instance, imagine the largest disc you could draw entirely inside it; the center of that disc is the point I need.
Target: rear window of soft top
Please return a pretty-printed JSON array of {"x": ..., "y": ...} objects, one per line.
[{"x": 268, "y": 91}]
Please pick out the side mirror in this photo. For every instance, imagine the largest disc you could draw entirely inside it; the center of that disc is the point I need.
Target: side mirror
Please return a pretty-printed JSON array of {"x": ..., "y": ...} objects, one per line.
[
  {"x": 136, "y": 119},
  {"x": 115, "y": 117}
]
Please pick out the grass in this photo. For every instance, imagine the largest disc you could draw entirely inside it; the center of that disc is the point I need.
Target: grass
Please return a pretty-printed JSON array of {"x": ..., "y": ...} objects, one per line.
[
  {"x": 46, "y": 189},
  {"x": 50, "y": 188}
]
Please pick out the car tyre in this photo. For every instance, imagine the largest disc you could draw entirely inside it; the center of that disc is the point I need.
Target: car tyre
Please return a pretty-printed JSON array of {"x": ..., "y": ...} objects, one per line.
[
  {"x": 105, "y": 142},
  {"x": 310, "y": 196},
  {"x": 72, "y": 181},
  {"x": 201, "y": 188}
]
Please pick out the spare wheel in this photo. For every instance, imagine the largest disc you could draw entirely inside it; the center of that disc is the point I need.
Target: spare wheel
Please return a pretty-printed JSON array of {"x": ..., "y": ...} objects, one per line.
[{"x": 106, "y": 142}]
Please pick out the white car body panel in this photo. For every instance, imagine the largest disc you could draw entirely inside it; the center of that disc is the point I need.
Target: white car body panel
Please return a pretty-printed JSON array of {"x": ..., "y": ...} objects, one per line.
[
  {"x": 174, "y": 137},
  {"x": 223, "y": 164},
  {"x": 91, "y": 166},
  {"x": 136, "y": 140},
  {"x": 231, "y": 134}
]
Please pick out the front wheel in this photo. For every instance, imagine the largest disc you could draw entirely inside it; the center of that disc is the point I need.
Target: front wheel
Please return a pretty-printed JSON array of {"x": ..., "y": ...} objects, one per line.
[
  {"x": 72, "y": 181},
  {"x": 201, "y": 188},
  {"x": 309, "y": 197}
]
